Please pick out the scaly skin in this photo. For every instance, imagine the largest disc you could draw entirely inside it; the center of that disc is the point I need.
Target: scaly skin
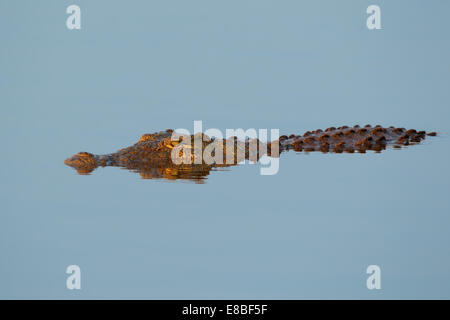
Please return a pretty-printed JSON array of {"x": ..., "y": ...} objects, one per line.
[{"x": 151, "y": 155}]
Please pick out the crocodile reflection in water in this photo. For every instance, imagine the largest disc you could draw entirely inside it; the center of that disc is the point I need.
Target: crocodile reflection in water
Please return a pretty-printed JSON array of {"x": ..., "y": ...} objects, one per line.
[{"x": 151, "y": 155}]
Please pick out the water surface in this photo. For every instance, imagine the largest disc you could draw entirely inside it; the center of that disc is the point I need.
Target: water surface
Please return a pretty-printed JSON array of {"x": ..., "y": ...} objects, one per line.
[{"x": 308, "y": 232}]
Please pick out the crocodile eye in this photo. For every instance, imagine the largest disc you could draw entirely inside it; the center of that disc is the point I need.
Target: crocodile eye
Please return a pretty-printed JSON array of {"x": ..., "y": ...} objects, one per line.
[{"x": 168, "y": 143}]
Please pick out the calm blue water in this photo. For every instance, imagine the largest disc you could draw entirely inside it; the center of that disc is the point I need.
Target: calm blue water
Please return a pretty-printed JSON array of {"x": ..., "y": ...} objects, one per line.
[{"x": 308, "y": 232}]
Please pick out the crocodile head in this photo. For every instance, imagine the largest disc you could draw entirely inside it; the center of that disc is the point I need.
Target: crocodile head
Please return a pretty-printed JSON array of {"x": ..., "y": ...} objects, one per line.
[{"x": 83, "y": 162}]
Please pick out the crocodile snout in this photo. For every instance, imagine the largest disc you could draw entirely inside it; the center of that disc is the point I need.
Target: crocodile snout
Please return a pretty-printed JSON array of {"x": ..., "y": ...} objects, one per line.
[{"x": 83, "y": 162}]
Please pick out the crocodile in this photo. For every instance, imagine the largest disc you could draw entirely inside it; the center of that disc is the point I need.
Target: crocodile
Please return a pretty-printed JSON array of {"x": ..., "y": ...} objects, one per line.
[{"x": 152, "y": 155}]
